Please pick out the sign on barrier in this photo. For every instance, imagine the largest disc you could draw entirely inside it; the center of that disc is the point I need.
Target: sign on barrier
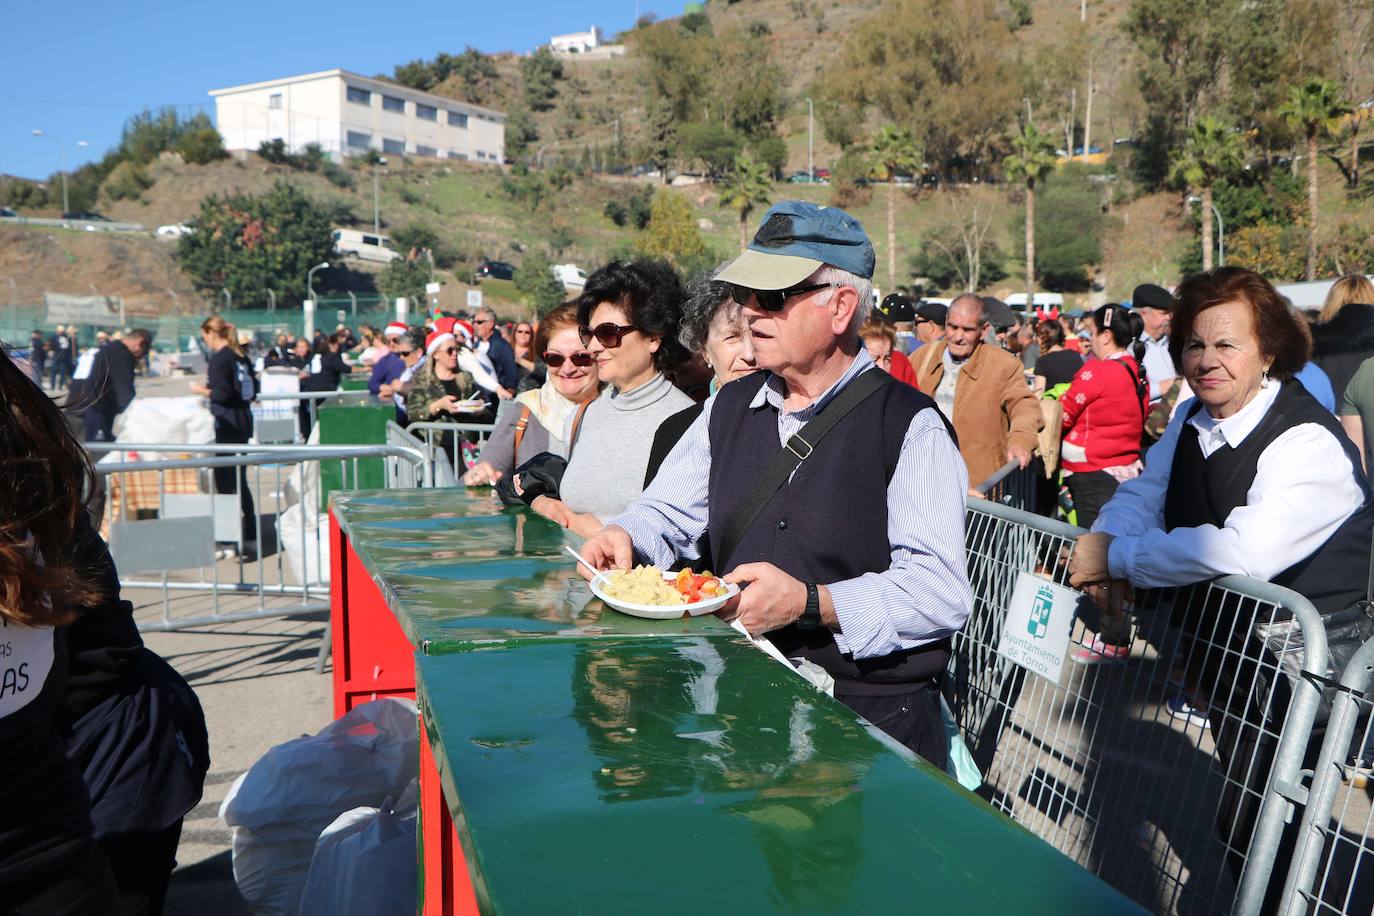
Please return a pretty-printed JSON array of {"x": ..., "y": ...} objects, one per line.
[{"x": 1039, "y": 618}]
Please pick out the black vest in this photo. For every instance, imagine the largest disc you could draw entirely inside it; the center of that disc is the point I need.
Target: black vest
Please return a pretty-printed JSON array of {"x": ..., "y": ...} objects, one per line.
[
  {"x": 828, "y": 523},
  {"x": 1204, "y": 491}
]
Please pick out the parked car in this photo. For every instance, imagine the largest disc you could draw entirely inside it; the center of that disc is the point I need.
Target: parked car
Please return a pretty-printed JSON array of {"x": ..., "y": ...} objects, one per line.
[
  {"x": 174, "y": 231},
  {"x": 494, "y": 270},
  {"x": 799, "y": 178},
  {"x": 351, "y": 243},
  {"x": 86, "y": 216},
  {"x": 6, "y": 211},
  {"x": 570, "y": 275},
  {"x": 823, "y": 174}
]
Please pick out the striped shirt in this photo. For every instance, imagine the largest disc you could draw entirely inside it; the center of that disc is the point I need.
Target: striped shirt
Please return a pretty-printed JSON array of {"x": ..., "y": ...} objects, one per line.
[{"x": 922, "y": 597}]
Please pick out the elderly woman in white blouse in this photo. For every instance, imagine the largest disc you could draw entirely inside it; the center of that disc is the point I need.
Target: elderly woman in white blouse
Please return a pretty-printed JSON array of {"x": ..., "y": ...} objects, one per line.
[{"x": 1253, "y": 477}]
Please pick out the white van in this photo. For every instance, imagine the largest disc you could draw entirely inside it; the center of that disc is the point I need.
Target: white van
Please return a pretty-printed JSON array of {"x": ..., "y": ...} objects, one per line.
[
  {"x": 570, "y": 275},
  {"x": 351, "y": 243}
]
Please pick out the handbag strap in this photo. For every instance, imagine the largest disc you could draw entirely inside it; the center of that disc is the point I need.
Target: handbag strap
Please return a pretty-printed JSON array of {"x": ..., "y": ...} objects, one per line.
[
  {"x": 577, "y": 425},
  {"x": 520, "y": 426},
  {"x": 798, "y": 448}
]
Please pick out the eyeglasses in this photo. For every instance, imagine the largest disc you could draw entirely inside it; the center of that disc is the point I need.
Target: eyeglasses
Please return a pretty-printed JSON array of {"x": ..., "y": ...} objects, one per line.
[
  {"x": 523, "y": 331},
  {"x": 404, "y": 353},
  {"x": 582, "y": 358},
  {"x": 449, "y": 351},
  {"x": 608, "y": 334},
  {"x": 772, "y": 300},
  {"x": 478, "y": 321}
]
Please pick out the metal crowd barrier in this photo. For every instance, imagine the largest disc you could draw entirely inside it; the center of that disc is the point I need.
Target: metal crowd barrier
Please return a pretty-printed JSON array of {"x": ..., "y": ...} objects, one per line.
[
  {"x": 440, "y": 471},
  {"x": 442, "y": 441},
  {"x": 165, "y": 517},
  {"x": 1013, "y": 485},
  {"x": 1096, "y": 764},
  {"x": 276, "y": 417},
  {"x": 1335, "y": 842}
]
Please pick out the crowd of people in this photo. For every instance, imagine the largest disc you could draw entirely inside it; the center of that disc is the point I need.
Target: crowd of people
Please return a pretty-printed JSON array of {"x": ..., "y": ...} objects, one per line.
[{"x": 774, "y": 422}]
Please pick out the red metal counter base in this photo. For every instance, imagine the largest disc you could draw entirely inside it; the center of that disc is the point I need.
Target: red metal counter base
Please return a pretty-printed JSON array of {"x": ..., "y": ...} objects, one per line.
[{"x": 373, "y": 659}]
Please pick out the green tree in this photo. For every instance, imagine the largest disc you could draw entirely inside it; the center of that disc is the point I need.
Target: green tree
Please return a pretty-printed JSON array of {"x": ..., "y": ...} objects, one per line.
[
  {"x": 772, "y": 152},
  {"x": 1213, "y": 152},
  {"x": 128, "y": 181},
  {"x": 249, "y": 244},
  {"x": 521, "y": 132},
  {"x": 406, "y": 277},
  {"x": 1183, "y": 50},
  {"x": 1315, "y": 107},
  {"x": 712, "y": 145},
  {"x": 672, "y": 232},
  {"x": 1068, "y": 233},
  {"x": 893, "y": 152},
  {"x": 538, "y": 287},
  {"x": 541, "y": 72},
  {"x": 748, "y": 186},
  {"x": 1031, "y": 158},
  {"x": 201, "y": 146}
]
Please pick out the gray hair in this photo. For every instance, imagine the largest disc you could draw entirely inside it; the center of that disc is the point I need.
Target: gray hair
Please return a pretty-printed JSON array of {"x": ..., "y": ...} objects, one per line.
[
  {"x": 861, "y": 285},
  {"x": 485, "y": 312},
  {"x": 705, "y": 299},
  {"x": 415, "y": 338},
  {"x": 974, "y": 300}
]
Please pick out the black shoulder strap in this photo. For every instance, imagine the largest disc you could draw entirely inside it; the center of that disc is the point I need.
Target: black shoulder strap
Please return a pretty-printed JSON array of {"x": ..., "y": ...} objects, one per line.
[{"x": 798, "y": 448}]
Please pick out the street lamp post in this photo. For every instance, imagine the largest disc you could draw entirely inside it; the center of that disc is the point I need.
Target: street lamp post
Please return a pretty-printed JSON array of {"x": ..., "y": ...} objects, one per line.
[
  {"x": 810, "y": 145},
  {"x": 309, "y": 303},
  {"x": 376, "y": 199},
  {"x": 1221, "y": 230}
]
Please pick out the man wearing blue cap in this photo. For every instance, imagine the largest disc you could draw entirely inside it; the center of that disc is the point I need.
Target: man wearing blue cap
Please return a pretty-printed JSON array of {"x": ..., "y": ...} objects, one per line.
[{"x": 831, "y": 493}]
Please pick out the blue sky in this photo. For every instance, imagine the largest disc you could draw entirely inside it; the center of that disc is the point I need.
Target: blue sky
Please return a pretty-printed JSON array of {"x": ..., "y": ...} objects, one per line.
[{"x": 79, "y": 69}]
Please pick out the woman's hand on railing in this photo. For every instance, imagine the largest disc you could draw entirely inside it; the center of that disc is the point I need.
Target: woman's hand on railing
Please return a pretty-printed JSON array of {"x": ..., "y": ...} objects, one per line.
[{"x": 481, "y": 474}]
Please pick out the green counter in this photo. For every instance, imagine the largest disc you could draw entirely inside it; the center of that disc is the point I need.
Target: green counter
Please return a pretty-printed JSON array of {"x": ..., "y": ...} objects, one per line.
[{"x": 594, "y": 762}]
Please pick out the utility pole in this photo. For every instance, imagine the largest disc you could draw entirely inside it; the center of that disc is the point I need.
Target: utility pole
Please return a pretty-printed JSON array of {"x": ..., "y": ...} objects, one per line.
[
  {"x": 376, "y": 198},
  {"x": 810, "y": 140},
  {"x": 1088, "y": 106}
]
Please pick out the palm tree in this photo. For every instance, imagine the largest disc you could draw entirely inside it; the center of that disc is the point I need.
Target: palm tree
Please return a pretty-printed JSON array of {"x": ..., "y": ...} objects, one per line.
[
  {"x": 1315, "y": 108},
  {"x": 1031, "y": 158},
  {"x": 893, "y": 151},
  {"x": 1213, "y": 151},
  {"x": 750, "y": 185}
]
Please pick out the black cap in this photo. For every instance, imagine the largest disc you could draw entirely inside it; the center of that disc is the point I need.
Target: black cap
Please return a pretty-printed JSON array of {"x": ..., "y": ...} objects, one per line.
[
  {"x": 1148, "y": 295},
  {"x": 933, "y": 311},
  {"x": 997, "y": 313},
  {"x": 897, "y": 308}
]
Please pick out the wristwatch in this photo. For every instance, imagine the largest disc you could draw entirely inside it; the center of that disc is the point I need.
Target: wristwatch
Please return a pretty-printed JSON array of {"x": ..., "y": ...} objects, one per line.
[{"x": 810, "y": 618}]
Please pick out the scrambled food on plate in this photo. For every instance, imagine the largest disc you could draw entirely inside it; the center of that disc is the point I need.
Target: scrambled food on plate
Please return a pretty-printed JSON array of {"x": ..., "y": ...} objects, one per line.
[{"x": 646, "y": 585}]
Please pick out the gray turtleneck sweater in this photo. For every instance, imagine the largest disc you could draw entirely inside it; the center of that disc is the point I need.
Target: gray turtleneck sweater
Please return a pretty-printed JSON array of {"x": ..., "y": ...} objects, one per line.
[{"x": 606, "y": 471}]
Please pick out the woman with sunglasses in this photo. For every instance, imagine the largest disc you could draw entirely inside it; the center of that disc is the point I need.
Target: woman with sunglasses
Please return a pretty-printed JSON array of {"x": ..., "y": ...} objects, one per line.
[
  {"x": 629, "y": 315},
  {"x": 539, "y": 423},
  {"x": 440, "y": 384},
  {"x": 526, "y": 352}
]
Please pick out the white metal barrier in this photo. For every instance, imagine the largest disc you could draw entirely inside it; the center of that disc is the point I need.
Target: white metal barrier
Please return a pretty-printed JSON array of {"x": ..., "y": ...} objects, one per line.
[
  {"x": 1183, "y": 814},
  {"x": 218, "y": 556},
  {"x": 443, "y": 441}
]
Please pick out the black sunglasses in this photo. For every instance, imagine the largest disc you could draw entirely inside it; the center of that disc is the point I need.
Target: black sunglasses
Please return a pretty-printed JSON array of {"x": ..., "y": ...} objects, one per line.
[
  {"x": 405, "y": 353},
  {"x": 608, "y": 333},
  {"x": 554, "y": 360},
  {"x": 772, "y": 300}
]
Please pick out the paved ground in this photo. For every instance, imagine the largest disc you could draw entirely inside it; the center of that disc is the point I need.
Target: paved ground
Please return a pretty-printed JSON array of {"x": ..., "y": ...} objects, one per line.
[{"x": 257, "y": 684}]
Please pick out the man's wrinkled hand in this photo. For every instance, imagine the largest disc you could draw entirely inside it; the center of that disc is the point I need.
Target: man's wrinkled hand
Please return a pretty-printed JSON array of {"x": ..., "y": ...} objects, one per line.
[
  {"x": 609, "y": 548},
  {"x": 1019, "y": 455},
  {"x": 769, "y": 598},
  {"x": 1089, "y": 563}
]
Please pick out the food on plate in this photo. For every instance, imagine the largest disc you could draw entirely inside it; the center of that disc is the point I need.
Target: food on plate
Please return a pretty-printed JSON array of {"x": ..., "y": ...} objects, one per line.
[{"x": 647, "y": 585}]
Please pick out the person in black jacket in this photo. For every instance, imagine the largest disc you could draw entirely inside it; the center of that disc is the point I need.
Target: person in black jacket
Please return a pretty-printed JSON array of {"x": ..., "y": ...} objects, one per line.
[
  {"x": 1343, "y": 337},
  {"x": 323, "y": 373},
  {"x": 106, "y": 389},
  {"x": 49, "y": 862},
  {"x": 231, "y": 388}
]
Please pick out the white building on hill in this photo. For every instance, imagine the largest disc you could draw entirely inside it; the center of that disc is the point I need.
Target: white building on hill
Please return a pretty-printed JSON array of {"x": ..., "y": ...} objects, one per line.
[
  {"x": 348, "y": 114},
  {"x": 576, "y": 42}
]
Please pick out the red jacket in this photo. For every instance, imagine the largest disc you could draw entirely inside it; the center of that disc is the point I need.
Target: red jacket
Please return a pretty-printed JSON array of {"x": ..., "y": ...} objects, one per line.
[
  {"x": 901, "y": 369},
  {"x": 1104, "y": 414}
]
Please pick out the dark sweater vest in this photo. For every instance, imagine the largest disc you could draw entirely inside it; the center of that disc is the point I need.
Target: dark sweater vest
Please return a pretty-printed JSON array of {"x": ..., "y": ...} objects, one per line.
[
  {"x": 828, "y": 523},
  {"x": 1205, "y": 491}
]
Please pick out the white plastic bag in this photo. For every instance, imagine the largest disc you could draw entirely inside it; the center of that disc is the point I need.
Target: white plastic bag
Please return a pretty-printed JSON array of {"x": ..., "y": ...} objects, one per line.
[
  {"x": 365, "y": 863},
  {"x": 278, "y": 809},
  {"x": 172, "y": 420}
]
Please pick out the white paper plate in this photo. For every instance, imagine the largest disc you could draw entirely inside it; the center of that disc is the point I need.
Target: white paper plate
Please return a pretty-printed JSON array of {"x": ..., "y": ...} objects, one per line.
[{"x": 668, "y": 611}]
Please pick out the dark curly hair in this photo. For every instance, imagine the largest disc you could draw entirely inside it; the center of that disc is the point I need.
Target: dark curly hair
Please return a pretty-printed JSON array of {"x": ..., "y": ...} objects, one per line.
[
  {"x": 650, "y": 293},
  {"x": 1283, "y": 336}
]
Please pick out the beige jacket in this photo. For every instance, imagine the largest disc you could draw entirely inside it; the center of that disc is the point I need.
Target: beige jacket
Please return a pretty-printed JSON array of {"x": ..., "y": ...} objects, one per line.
[{"x": 994, "y": 408}]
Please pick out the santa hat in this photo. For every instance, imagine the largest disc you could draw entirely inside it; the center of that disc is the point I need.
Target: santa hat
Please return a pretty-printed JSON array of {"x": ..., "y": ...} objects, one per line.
[
  {"x": 465, "y": 328},
  {"x": 395, "y": 329},
  {"x": 436, "y": 339}
]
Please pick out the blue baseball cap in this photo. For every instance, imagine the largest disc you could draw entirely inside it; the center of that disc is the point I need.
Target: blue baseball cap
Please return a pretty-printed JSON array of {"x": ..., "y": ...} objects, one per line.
[{"x": 794, "y": 240}]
